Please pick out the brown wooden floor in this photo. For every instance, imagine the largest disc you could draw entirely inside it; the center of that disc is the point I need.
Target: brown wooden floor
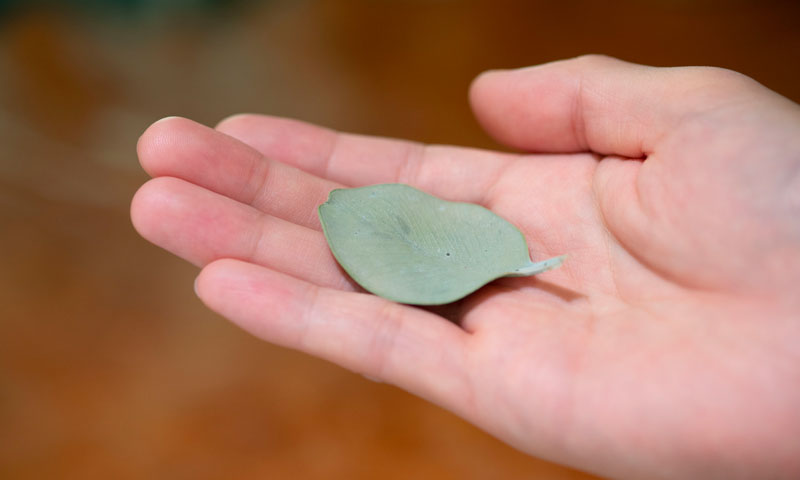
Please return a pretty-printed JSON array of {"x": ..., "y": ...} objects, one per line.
[{"x": 109, "y": 366}]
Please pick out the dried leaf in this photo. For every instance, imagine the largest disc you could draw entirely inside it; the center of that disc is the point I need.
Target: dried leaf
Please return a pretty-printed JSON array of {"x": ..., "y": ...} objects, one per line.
[{"x": 411, "y": 247}]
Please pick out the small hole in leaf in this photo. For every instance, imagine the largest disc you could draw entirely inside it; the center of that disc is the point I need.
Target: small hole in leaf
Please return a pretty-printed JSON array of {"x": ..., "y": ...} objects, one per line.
[{"x": 448, "y": 254}]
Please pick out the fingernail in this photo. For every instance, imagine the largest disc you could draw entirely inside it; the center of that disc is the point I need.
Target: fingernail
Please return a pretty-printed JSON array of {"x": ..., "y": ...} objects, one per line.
[
  {"x": 168, "y": 117},
  {"x": 372, "y": 379}
]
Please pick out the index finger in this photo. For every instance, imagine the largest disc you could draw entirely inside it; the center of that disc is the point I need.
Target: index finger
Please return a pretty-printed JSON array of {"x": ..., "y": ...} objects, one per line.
[{"x": 453, "y": 173}]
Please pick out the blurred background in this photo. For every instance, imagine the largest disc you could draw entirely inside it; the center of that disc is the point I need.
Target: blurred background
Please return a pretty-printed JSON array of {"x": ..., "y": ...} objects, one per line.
[{"x": 109, "y": 366}]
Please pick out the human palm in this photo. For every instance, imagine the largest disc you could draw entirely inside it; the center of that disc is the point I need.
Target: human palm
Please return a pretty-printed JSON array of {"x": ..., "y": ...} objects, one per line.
[{"x": 666, "y": 345}]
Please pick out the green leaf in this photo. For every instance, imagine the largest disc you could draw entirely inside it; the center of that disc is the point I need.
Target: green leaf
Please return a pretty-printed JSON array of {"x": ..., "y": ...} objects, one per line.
[{"x": 411, "y": 247}]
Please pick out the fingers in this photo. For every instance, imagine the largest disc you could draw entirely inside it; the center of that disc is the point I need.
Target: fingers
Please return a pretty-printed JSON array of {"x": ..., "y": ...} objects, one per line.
[
  {"x": 453, "y": 173},
  {"x": 409, "y": 347},
  {"x": 591, "y": 103},
  {"x": 181, "y": 148},
  {"x": 202, "y": 226}
]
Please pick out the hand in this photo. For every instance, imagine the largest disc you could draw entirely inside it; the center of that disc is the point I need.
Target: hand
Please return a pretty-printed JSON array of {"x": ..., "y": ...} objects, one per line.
[{"x": 667, "y": 346}]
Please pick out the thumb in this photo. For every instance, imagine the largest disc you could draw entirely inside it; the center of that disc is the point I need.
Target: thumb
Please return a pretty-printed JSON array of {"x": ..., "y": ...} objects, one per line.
[{"x": 594, "y": 103}]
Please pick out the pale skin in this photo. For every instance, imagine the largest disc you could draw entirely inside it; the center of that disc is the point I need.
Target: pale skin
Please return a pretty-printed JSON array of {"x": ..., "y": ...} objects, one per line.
[{"x": 668, "y": 344}]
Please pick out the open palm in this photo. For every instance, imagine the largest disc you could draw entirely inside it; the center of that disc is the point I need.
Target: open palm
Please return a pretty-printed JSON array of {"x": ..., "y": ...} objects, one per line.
[{"x": 668, "y": 345}]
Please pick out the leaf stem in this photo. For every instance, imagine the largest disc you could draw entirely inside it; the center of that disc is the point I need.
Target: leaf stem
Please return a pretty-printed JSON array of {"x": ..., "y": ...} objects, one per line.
[{"x": 538, "y": 267}]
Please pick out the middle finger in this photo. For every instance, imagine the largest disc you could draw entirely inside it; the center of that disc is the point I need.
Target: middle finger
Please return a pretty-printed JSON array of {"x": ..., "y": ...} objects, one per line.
[{"x": 177, "y": 147}]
